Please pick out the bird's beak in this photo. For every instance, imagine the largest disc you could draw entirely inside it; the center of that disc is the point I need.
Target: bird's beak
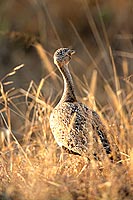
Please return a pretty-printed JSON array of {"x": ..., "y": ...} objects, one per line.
[{"x": 72, "y": 52}]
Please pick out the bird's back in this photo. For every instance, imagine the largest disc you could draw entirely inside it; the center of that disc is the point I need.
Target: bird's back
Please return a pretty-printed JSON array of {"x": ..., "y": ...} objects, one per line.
[{"x": 74, "y": 127}]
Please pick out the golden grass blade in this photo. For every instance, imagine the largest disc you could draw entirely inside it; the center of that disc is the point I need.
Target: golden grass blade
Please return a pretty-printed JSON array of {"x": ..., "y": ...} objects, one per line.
[
  {"x": 39, "y": 88},
  {"x": 18, "y": 67},
  {"x": 9, "y": 91},
  {"x": 44, "y": 58},
  {"x": 12, "y": 72},
  {"x": 8, "y": 83},
  {"x": 6, "y": 124},
  {"x": 27, "y": 92},
  {"x": 93, "y": 85},
  {"x": 125, "y": 67},
  {"x": 34, "y": 98},
  {"x": 117, "y": 105},
  {"x": 4, "y": 96}
]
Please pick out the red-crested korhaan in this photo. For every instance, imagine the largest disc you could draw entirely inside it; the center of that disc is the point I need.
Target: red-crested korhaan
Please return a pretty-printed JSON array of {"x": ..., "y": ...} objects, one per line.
[{"x": 76, "y": 127}]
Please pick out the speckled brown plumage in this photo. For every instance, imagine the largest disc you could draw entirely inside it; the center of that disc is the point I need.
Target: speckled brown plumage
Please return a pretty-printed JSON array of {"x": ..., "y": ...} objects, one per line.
[{"x": 75, "y": 126}]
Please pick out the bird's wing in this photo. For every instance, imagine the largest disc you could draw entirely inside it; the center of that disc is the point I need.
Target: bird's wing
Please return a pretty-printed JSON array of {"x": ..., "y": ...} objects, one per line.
[{"x": 100, "y": 129}]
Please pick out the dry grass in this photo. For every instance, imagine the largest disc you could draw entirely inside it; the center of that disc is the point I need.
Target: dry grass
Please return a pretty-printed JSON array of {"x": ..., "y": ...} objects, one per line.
[
  {"x": 30, "y": 169},
  {"x": 29, "y": 158}
]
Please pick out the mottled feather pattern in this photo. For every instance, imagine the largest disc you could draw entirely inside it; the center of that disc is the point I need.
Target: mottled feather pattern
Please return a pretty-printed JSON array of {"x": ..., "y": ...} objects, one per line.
[
  {"x": 76, "y": 127},
  {"x": 74, "y": 130},
  {"x": 100, "y": 129}
]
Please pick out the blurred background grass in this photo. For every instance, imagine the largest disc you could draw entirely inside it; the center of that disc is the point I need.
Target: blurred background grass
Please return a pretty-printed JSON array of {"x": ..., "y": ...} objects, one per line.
[{"x": 53, "y": 24}]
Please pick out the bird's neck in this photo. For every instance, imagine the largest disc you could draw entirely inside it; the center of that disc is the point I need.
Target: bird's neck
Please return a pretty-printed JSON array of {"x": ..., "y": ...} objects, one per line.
[{"x": 68, "y": 93}]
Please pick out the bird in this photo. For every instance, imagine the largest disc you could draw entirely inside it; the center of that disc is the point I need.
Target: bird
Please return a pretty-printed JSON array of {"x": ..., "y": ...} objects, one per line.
[{"x": 75, "y": 127}]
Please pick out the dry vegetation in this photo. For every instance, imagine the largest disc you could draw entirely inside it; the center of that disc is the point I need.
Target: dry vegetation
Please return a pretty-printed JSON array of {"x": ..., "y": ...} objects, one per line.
[
  {"x": 31, "y": 169},
  {"x": 30, "y": 166}
]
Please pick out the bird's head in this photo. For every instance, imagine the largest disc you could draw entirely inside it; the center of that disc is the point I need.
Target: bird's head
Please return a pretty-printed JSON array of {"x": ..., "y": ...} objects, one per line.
[{"x": 63, "y": 56}]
